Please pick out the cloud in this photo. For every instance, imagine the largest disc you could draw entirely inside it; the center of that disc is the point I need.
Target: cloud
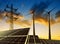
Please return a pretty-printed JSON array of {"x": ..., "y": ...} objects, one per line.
[
  {"x": 28, "y": 23},
  {"x": 58, "y": 20},
  {"x": 58, "y": 14},
  {"x": 24, "y": 23},
  {"x": 17, "y": 19},
  {"x": 37, "y": 11},
  {"x": 57, "y": 17},
  {"x": 41, "y": 21}
]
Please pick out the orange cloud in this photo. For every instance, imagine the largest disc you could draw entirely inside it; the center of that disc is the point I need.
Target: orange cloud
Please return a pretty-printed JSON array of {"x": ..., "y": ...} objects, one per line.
[
  {"x": 26, "y": 23},
  {"x": 58, "y": 20},
  {"x": 40, "y": 20}
]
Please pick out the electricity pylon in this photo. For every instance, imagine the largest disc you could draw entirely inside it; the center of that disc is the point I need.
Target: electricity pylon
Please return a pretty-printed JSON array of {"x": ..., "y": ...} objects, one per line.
[{"x": 12, "y": 10}]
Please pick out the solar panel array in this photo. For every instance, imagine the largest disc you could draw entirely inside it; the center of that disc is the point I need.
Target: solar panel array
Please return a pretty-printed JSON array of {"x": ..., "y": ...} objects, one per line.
[
  {"x": 13, "y": 40},
  {"x": 14, "y": 36},
  {"x": 31, "y": 39},
  {"x": 19, "y": 36}
]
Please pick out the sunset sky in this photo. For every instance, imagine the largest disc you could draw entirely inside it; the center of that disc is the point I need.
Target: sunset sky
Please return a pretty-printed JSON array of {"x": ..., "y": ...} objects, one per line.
[{"x": 25, "y": 20}]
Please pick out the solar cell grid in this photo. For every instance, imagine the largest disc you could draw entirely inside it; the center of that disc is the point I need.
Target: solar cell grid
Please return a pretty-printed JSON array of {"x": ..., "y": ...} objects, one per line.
[{"x": 14, "y": 36}]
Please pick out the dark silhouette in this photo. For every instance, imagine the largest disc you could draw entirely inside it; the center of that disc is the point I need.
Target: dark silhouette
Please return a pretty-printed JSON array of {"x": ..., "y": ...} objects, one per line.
[
  {"x": 49, "y": 17},
  {"x": 12, "y": 10},
  {"x": 37, "y": 11}
]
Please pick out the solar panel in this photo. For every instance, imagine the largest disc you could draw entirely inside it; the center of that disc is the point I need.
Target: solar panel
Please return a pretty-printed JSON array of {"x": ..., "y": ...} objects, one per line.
[
  {"x": 23, "y": 31},
  {"x": 17, "y": 36},
  {"x": 5, "y": 33},
  {"x": 13, "y": 40},
  {"x": 41, "y": 41},
  {"x": 31, "y": 39}
]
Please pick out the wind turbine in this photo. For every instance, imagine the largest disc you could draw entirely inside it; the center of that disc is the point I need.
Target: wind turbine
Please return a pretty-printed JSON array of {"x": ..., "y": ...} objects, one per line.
[
  {"x": 49, "y": 17},
  {"x": 33, "y": 16},
  {"x": 32, "y": 11},
  {"x": 36, "y": 9}
]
